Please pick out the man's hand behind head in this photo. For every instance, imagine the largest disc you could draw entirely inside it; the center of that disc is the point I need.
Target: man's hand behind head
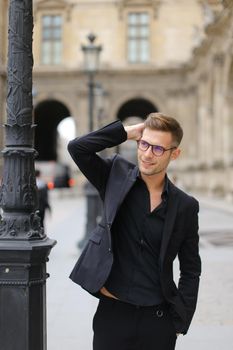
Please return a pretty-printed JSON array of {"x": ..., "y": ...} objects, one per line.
[{"x": 134, "y": 132}]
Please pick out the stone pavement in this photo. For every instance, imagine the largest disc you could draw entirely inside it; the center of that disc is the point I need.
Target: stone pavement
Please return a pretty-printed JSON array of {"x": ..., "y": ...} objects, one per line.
[{"x": 70, "y": 309}]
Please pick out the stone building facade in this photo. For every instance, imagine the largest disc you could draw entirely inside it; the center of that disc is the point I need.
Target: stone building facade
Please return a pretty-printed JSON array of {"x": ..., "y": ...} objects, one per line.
[
  {"x": 171, "y": 56},
  {"x": 144, "y": 44},
  {"x": 209, "y": 100}
]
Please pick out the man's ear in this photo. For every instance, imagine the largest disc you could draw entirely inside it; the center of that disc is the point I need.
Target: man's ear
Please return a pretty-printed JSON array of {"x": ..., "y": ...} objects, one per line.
[{"x": 175, "y": 153}]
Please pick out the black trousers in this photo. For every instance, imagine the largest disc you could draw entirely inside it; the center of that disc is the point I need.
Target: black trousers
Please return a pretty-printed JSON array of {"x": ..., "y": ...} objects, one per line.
[{"x": 122, "y": 326}]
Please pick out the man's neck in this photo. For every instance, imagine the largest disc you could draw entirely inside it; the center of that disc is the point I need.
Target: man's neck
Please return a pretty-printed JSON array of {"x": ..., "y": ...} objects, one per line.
[{"x": 154, "y": 183}]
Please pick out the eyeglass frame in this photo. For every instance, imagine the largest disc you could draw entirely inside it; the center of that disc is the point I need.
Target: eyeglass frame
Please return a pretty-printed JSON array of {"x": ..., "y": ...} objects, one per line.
[{"x": 163, "y": 149}]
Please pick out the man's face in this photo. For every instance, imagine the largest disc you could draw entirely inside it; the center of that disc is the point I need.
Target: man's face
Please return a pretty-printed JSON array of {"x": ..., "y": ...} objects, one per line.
[{"x": 150, "y": 164}]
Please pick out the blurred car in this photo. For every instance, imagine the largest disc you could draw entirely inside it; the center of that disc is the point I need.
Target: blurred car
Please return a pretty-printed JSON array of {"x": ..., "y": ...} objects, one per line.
[
  {"x": 62, "y": 176},
  {"x": 56, "y": 175}
]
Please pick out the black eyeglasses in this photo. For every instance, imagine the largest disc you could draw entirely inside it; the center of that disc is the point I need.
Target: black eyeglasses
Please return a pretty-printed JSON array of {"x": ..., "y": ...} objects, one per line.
[{"x": 156, "y": 150}]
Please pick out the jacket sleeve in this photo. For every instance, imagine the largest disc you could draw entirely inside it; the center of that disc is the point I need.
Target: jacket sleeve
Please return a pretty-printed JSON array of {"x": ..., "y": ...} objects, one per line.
[
  {"x": 83, "y": 151},
  {"x": 190, "y": 264}
]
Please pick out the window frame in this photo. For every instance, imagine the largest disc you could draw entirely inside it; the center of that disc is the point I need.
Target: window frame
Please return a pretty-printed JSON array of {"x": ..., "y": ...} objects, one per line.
[
  {"x": 139, "y": 38},
  {"x": 54, "y": 39}
]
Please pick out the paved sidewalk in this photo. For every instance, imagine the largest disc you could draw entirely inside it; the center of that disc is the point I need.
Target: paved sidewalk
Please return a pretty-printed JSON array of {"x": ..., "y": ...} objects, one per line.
[{"x": 70, "y": 309}]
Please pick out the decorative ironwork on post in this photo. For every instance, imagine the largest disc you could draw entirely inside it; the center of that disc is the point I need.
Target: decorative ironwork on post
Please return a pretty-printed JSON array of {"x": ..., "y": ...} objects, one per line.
[
  {"x": 18, "y": 197},
  {"x": 24, "y": 247}
]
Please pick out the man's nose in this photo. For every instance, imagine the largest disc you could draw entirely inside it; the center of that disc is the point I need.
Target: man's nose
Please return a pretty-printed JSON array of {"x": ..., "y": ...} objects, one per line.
[{"x": 149, "y": 152}]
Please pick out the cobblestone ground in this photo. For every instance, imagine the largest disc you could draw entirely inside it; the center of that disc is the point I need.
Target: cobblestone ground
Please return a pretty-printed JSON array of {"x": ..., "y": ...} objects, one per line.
[{"x": 70, "y": 309}]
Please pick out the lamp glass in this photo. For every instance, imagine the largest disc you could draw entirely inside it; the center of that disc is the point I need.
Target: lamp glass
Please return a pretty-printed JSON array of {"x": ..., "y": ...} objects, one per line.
[{"x": 91, "y": 58}]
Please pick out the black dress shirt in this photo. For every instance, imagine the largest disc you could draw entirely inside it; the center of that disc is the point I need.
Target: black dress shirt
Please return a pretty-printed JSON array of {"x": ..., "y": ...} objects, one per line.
[{"x": 137, "y": 234}]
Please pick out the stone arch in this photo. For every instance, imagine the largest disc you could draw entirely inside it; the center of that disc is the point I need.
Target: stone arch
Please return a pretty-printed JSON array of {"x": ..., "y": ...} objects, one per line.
[
  {"x": 138, "y": 107},
  {"x": 48, "y": 114},
  {"x": 123, "y": 99},
  {"x": 40, "y": 97}
]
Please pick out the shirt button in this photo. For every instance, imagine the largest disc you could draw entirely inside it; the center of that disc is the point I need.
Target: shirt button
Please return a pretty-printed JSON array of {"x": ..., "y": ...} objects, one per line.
[{"x": 141, "y": 244}]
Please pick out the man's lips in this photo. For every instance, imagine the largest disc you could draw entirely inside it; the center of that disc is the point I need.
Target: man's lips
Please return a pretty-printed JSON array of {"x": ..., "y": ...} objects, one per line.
[{"x": 147, "y": 162}]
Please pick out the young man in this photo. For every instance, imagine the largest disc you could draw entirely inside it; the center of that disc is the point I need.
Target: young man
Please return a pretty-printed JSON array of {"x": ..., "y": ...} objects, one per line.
[{"x": 146, "y": 223}]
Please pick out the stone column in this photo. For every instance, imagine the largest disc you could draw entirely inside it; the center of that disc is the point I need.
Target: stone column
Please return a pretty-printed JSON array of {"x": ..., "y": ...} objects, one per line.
[
  {"x": 203, "y": 121},
  {"x": 218, "y": 100}
]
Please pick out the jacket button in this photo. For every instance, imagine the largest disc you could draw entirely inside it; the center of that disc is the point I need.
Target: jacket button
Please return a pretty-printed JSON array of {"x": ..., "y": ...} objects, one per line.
[
  {"x": 159, "y": 313},
  {"x": 109, "y": 249}
]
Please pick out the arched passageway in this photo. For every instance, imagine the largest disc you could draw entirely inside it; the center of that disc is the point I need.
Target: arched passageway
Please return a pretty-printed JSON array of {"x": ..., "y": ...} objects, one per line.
[{"x": 48, "y": 115}]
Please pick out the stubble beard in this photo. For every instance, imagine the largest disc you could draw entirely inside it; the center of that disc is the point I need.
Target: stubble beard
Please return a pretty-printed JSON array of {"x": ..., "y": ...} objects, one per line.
[{"x": 151, "y": 172}]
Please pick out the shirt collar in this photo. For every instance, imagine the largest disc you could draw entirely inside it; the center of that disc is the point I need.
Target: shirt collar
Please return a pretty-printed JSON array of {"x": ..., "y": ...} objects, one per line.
[{"x": 165, "y": 191}]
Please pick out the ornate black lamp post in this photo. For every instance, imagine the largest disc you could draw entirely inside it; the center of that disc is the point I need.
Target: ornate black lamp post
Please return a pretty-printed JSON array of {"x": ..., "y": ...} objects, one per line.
[
  {"x": 24, "y": 247},
  {"x": 91, "y": 62}
]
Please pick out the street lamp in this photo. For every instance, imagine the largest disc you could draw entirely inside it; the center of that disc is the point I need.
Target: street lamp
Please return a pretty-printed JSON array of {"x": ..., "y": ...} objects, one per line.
[
  {"x": 91, "y": 64},
  {"x": 24, "y": 247}
]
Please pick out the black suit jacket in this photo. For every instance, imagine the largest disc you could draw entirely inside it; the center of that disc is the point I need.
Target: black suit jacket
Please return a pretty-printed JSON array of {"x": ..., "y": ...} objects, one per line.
[{"x": 113, "y": 178}]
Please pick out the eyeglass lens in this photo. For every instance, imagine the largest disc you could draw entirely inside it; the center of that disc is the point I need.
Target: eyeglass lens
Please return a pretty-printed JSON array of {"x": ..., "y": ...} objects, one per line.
[{"x": 157, "y": 150}]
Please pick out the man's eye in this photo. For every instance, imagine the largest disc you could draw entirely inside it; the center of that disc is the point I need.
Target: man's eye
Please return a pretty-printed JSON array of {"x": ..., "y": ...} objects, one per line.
[
  {"x": 144, "y": 143},
  {"x": 158, "y": 148}
]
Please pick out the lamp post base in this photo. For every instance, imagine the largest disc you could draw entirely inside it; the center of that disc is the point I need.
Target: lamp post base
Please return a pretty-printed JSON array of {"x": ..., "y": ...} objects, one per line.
[{"x": 23, "y": 294}]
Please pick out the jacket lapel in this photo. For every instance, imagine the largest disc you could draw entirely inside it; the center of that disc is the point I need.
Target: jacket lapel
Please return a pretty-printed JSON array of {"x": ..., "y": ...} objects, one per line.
[
  {"x": 120, "y": 193},
  {"x": 173, "y": 201}
]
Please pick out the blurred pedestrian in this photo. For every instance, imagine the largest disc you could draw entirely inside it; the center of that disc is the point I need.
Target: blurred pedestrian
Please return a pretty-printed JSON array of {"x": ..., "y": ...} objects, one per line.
[
  {"x": 43, "y": 198},
  {"x": 147, "y": 222}
]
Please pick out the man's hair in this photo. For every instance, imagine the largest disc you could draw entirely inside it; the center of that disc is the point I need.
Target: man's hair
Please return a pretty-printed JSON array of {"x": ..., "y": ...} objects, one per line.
[{"x": 162, "y": 122}]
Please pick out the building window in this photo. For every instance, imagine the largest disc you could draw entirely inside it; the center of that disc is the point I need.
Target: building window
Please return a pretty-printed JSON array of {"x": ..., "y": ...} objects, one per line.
[
  {"x": 51, "y": 39},
  {"x": 138, "y": 37}
]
